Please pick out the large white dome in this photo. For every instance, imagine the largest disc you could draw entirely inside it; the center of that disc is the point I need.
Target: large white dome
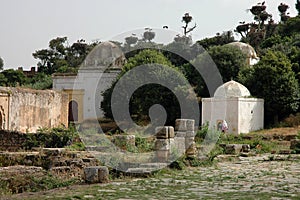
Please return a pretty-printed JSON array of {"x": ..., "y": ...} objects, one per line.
[
  {"x": 105, "y": 54},
  {"x": 231, "y": 89},
  {"x": 245, "y": 48}
]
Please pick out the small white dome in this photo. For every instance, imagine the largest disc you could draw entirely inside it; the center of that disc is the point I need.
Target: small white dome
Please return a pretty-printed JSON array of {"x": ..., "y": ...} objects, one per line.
[{"x": 231, "y": 89}]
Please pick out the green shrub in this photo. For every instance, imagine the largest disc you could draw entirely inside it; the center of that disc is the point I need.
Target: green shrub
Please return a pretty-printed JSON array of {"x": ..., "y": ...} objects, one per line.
[
  {"x": 200, "y": 134},
  {"x": 143, "y": 144},
  {"x": 179, "y": 164},
  {"x": 50, "y": 138},
  {"x": 291, "y": 121},
  {"x": 27, "y": 183}
]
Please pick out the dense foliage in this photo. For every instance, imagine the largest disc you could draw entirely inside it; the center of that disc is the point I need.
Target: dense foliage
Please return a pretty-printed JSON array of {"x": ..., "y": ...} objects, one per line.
[
  {"x": 50, "y": 138},
  {"x": 1, "y": 63},
  {"x": 274, "y": 80},
  {"x": 61, "y": 57},
  {"x": 150, "y": 94}
]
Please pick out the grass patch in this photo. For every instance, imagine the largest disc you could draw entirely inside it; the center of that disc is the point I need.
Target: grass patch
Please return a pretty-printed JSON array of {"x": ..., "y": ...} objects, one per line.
[
  {"x": 20, "y": 183},
  {"x": 258, "y": 143}
]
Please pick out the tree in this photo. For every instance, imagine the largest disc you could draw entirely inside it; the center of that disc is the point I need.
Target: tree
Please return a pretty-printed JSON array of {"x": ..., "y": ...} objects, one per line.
[
  {"x": 131, "y": 40},
  {"x": 52, "y": 58},
  {"x": 220, "y": 39},
  {"x": 76, "y": 54},
  {"x": 255, "y": 32},
  {"x": 298, "y": 6},
  {"x": 1, "y": 63},
  {"x": 148, "y": 35},
  {"x": 290, "y": 27},
  {"x": 3, "y": 80},
  {"x": 13, "y": 78},
  {"x": 150, "y": 94},
  {"x": 179, "y": 52},
  {"x": 62, "y": 57},
  {"x": 229, "y": 60},
  {"x": 40, "y": 81},
  {"x": 282, "y": 8},
  {"x": 273, "y": 80},
  {"x": 187, "y": 18}
]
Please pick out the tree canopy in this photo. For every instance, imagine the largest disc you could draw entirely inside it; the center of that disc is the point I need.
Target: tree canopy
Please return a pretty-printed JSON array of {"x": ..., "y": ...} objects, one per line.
[
  {"x": 149, "y": 94},
  {"x": 61, "y": 57},
  {"x": 1, "y": 63},
  {"x": 273, "y": 80},
  {"x": 12, "y": 78}
]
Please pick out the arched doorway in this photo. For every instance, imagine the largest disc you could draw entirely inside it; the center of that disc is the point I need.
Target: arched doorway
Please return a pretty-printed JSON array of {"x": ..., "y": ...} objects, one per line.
[
  {"x": 1, "y": 121},
  {"x": 73, "y": 111}
]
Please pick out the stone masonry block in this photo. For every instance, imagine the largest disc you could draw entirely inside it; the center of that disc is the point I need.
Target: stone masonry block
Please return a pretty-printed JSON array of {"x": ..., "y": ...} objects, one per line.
[
  {"x": 122, "y": 140},
  {"x": 164, "y": 132},
  {"x": 189, "y": 141},
  {"x": 162, "y": 155},
  {"x": 246, "y": 148},
  {"x": 184, "y": 125},
  {"x": 171, "y": 132},
  {"x": 96, "y": 174},
  {"x": 162, "y": 144},
  {"x": 103, "y": 174},
  {"x": 91, "y": 174},
  {"x": 179, "y": 145},
  {"x": 190, "y": 134},
  {"x": 295, "y": 144},
  {"x": 233, "y": 148},
  {"x": 191, "y": 150},
  {"x": 180, "y": 134}
]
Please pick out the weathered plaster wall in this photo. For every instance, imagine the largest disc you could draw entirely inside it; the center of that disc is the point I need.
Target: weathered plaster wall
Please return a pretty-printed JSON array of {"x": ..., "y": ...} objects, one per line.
[
  {"x": 213, "y": 110},
  {"x": 32, "y": 109},
  {"x": 243, "y": 115},
  {"x": 251, "y": 114},
  {"x": 4, "y": 102},
  {"x": 92, "y": 82}
]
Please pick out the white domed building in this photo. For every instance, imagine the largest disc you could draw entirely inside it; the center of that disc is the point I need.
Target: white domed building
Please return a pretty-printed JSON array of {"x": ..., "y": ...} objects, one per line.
[
  {"x": 247, "y": 49},
  {"x": 99, "y": 69},
  {"x": 233, "y": 103}
]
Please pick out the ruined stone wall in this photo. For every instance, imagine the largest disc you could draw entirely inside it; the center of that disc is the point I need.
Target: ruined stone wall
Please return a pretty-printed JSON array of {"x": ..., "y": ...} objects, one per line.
[
  {"x": 11, "y": 141},
  {"x": 4, "y": 102},
  {"x": 30, "y": 110}
]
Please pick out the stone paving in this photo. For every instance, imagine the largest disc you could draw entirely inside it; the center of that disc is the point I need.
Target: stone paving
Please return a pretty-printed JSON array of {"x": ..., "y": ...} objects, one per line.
[{"x": 260, "y": 177}]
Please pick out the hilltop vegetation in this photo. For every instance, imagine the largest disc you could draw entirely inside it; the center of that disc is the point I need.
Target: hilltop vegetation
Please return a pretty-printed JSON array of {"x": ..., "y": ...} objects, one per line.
[{"x": 276, "y": 77}]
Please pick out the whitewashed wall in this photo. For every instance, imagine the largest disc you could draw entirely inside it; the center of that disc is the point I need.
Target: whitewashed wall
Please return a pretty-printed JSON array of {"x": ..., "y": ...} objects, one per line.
[{"x": 243, "y": 115}]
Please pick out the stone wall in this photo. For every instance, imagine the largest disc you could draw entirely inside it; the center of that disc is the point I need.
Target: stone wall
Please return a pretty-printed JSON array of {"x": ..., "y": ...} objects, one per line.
[
  {"x": 11, "y": 141},
  {"x": 171, "y": 143},
  {"x": 29, "y": 110},
  {"x": 4, "y": 108}
]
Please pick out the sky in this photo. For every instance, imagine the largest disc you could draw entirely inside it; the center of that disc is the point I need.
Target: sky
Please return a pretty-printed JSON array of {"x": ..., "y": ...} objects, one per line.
[{"x": 29, "y": 25}]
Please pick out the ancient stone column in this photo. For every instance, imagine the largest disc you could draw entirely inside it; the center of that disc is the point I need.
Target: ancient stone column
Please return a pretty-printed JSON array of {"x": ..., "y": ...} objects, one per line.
[
  {"x": 185, "y": 136},
  {"x": 163, "y": 142},
  {"x": 96, "y": 174}
]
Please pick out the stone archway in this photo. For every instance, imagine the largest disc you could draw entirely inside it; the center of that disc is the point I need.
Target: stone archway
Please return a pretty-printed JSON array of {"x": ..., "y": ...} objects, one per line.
[
  {"x": 1, "y": 121},
  {"x": 73, "y": 111}
]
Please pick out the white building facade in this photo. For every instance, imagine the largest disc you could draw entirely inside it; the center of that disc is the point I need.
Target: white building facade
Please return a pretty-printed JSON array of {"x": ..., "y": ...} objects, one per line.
[
  {"x": 233, "y": 103},
  {"x": 85, "y": 88}
]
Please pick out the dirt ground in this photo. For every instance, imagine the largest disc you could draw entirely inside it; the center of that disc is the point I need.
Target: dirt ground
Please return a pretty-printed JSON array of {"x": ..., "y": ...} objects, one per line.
[{"x": 261, "y": 177}]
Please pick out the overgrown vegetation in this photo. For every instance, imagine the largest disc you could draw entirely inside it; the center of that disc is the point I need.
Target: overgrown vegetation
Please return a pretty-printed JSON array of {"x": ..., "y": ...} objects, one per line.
[
  {"x": 54, "y": 138},
  {"x": 28, "y": 183},
  {"x": 293, "y": 120}
]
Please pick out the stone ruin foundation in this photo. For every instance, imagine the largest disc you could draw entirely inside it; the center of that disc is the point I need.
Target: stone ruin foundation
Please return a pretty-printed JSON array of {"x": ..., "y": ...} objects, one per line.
[{"x": 171, "y": 143}]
